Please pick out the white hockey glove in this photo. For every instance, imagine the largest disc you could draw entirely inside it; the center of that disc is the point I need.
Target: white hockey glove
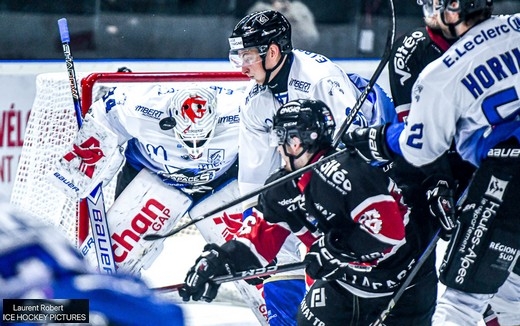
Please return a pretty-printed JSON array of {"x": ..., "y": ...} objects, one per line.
[
  {"x": 439, "y": 195},
  {"x": 198, "y": 284}
]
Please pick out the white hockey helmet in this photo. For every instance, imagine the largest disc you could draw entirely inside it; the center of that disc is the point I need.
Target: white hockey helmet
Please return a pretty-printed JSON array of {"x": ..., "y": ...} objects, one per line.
[{"x": 195, "y": 114}]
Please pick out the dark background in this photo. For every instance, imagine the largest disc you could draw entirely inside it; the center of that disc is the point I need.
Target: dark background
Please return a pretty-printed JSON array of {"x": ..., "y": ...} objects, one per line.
[{"x": 185, "y": 29}]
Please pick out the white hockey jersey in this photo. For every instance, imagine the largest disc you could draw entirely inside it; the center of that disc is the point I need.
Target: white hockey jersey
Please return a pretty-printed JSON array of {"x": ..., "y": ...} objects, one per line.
[
  {"x": 470, "y": 94},
  {"x": 311, "y": 76},
  {"x": 133, "y": 113}
]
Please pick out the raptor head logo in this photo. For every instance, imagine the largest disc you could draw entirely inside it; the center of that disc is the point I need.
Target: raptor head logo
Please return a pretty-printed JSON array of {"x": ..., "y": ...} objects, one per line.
[{"x": 193, "y": 108}]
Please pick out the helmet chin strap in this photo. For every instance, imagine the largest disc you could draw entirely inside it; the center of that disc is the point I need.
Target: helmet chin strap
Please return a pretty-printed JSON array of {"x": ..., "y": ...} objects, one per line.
[
  {"x": 269, "y": 71},
  {"x": 292, "y": 158},
  {"x": 451, "y": 26}
]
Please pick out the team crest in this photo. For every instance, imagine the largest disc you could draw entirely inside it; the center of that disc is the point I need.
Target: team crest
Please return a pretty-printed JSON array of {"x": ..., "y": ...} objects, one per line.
[
  {"x": 371, "y": 220},
  {"x": 333, "y": 86},
  {"x": 215, "y": 157},
  {"x": 496, "y": 188}
]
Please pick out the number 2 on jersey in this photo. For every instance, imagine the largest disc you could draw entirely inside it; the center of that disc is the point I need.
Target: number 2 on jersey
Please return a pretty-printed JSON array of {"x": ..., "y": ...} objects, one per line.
[{"x": 494, "y": 107}]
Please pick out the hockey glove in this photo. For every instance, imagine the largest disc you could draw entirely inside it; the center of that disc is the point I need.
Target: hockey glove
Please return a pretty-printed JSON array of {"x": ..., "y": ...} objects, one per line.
[
  {"x": 439, "y": 196},
  {"x": 369, "y": 143},
  {"x": 198, "y": 283},
  {"x": 326, "y": 261}
]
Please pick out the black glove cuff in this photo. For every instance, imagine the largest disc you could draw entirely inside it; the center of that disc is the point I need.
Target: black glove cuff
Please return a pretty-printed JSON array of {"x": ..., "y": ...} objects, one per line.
[
  {"x": 370, "y": 143},
  {"x": 386, "y": 153}
]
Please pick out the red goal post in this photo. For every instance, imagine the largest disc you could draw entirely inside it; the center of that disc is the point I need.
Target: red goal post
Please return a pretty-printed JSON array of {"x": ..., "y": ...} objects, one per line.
[
  {"x": 52, "y": 127},
  {"x": 88, "y": 82}
]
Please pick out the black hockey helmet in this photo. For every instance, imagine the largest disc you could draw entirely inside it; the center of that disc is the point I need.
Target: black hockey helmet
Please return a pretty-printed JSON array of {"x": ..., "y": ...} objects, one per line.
[
  {"x": 467, "y": 8},
  {"x": 309, "y": 120},
  {"x": 260, "y": 29}
]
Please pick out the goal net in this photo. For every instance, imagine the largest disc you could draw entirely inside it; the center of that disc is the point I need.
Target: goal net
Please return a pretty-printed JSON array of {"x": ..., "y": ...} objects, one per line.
[{"x": 52, "y": 127}]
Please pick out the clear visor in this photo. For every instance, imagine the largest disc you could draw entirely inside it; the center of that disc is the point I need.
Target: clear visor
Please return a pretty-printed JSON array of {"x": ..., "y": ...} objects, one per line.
[
  {"x": 246, "y": 57},
  {"x": 277, "y": 137}
]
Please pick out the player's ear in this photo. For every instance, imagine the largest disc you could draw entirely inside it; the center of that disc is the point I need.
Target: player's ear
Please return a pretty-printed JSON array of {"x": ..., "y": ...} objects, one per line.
[{"x": 273, "y": 50}]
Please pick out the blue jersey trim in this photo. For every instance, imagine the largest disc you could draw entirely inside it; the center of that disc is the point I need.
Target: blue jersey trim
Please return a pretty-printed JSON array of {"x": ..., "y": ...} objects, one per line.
[{"x": 393, "y": 132}]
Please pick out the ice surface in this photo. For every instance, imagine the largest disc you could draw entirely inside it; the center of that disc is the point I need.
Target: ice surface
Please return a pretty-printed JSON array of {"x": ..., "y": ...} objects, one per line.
[{"x": 178, "y": 256}]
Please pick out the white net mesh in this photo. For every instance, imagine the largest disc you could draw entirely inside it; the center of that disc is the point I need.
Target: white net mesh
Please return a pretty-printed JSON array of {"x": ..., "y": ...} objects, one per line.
[{"x": 50, "y": 130}]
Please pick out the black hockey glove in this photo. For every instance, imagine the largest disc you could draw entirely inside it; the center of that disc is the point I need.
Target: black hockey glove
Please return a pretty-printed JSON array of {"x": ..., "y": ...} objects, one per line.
[
  {"x": 439, "y": 195},
  {"x": 198, "y": 283},
  {"x": 369, "y": 143},
  {"x": 326, "y": 261}
]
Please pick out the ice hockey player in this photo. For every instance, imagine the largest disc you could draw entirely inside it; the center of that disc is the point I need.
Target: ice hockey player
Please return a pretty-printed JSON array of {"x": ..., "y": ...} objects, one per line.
[
  {"x": 180, "y": 158},
  {"x": 469, "y": 95},
  {"x": 37, "y": 262},
  {"x": 261, "y": 46},
  {"x": 411, "y": 53},
  {"x": 362, "y": 244}
]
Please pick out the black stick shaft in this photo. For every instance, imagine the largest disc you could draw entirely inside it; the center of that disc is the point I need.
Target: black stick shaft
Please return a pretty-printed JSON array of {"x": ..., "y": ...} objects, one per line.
[
  {"x": 431, "y": 247},
  {"x": 244, "y": 275},
  {"x": 65, "y": 41}
]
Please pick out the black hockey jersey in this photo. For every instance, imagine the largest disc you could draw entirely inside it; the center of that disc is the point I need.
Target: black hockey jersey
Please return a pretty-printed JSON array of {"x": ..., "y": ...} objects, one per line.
[
  {"x": 344, "y": 194},
  {"x": 410, "y": 54}
]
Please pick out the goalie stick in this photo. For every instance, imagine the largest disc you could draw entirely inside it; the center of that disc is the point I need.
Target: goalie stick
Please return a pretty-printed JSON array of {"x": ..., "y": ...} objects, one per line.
[
  {"x": 95, "y": 200},
  {"x": 293, "y": 175},
  {"x": 65, "y": 41}
]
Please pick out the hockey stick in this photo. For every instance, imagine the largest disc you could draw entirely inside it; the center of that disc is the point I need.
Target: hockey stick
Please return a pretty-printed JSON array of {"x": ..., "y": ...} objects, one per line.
[
  {"x": 95, "y": 200},
  {"x": 293, "y": 175},
  {"x": 408, "y": 280},
  {"x": 288, "y": 177},
  {"x": 65, "y": 41},
  {"x": 244, "y": 275},
  {"x": 390, "y": 39}
]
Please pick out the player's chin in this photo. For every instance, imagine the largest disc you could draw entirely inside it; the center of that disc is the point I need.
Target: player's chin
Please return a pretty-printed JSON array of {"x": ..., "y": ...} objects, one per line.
[{"x": 257, "y": 79}]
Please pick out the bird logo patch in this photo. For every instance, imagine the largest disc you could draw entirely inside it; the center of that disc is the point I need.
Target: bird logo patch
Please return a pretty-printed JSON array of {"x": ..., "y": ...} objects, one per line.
[{"x": 89, "y": 152}]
